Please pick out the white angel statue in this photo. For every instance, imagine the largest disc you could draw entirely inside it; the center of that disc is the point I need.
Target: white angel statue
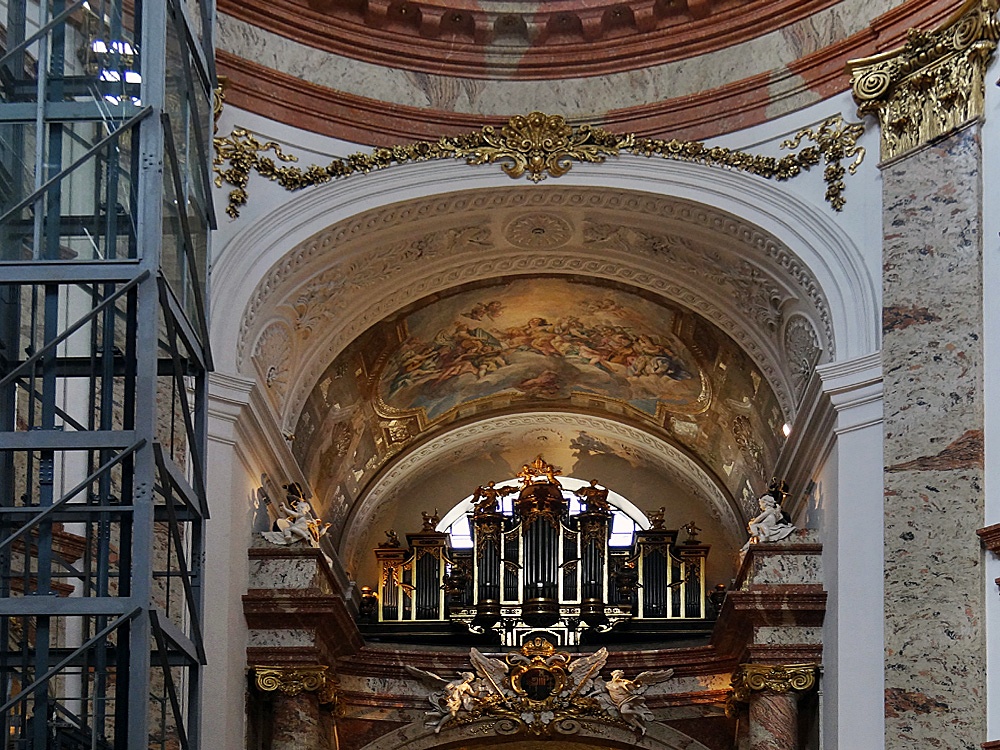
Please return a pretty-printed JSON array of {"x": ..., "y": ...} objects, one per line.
[
  {"x": 450, "y": 698},
  {"x": 627, "y": 697}
]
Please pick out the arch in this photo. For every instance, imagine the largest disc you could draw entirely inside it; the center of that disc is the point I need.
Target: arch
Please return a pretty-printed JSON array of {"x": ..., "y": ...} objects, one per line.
[
  {"x": 823, "y": 246},
  {"x": 416, "y": 736},
  {"x": 390, "y": 486}
]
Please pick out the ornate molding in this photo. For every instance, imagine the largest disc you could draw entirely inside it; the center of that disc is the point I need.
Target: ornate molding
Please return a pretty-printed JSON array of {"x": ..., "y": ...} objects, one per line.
[
  {"x": 298, "y": 679},
  {"x": 539, "y": 145},
  {"x": 933, "y": 84},
  {"x": 990, "y": 538},
  {"x": 307, "y": 294},
  {"x": 757, "y": 678}
]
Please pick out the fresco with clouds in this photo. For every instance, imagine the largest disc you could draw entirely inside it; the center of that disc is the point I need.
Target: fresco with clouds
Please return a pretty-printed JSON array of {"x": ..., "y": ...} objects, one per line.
[{"x": 542, "y": 339}]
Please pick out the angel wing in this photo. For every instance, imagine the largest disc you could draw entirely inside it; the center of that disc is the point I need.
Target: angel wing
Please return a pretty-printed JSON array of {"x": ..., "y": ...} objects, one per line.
[
  {"x": 584, "y": 670},
  {"x": 652, "y": 677},
  {"x": 492, "y": 671},
  {"x": 429, "y": 679}
]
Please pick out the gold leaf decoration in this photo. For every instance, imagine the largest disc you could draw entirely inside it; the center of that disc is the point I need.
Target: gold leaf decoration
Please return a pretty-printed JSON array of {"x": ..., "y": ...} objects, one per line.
[
  {"x": 539, "y": 146},
  {"x": 932, "y": 85},
  {"x": 756, "y": 678}
]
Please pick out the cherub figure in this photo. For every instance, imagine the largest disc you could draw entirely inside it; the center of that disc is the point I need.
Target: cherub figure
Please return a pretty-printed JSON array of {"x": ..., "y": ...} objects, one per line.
[
  {"x": 298, "y": 523},
  {"x": 656, "y": 518},
  {"x": 692, "y": 531},
  {"x": 431, "y": 520},
  {"x": 769, "y": 525},
  {"x": 487, "y": 499},
  {"x": 451, "y": 697},
  {"x": 391, "y": 539},
  {"x": 595, "y": 499}
]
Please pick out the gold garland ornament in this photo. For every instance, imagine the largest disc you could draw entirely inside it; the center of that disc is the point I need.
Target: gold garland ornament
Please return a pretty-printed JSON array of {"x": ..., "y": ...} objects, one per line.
[{"x": 539, "y": 145}]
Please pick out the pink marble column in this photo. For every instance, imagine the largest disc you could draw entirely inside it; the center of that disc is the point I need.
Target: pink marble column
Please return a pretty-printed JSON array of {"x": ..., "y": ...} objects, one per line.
[
  {"x": 774, "y": 720},
  {"x": 300, "y": 720},
  {"x": 297, "y": 724},
  {"x": 772, "y": 692},
  {"x": 928, "y": 96}
]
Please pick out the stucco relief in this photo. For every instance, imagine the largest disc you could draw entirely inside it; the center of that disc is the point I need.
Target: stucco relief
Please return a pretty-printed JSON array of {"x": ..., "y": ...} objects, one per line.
[
  {"x": 802, "y": 351},
  {"x": 273, "y": 356},
  {"x": 354, "y": 237},
  {"x": 756, "y": 292}
]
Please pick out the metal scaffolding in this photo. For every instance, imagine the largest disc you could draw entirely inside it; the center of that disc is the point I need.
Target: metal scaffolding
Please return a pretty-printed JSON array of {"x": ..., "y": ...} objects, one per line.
[{"x": 105, "y": 211}]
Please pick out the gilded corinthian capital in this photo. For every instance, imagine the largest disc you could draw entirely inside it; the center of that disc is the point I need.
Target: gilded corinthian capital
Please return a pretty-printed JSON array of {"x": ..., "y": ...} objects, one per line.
[
  {"x": 933, "y": 84},
  {"x": 756, "y": 678}
]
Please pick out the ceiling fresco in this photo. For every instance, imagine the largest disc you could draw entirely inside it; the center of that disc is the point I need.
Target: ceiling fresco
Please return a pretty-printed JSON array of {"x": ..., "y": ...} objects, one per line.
[
  {"x": 543, "y": 339},
  {"x": 555, "y": 343}
]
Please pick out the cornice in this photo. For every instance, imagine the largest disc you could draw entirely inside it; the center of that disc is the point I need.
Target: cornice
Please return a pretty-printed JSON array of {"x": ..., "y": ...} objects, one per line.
[
  {"x": 565, "y": 39},
  {"x": 990, "y": 538},
  {"x": 722, "y": 109}
]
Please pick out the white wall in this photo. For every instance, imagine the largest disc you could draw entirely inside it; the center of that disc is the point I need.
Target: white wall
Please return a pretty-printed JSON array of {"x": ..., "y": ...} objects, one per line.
[
  {"x": 852, "y": 530},
  {"x": 991, "y": 345}
]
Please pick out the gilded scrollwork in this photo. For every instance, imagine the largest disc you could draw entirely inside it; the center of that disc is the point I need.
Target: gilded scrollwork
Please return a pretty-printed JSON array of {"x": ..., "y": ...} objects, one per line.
[
  {"x": 756, "y": 678},
  {"x": 297, "y": 679},
  {"x": 537, "y": 145},
  {"x": 934, "y": 83},
  {"x": 538, "y": 690}
]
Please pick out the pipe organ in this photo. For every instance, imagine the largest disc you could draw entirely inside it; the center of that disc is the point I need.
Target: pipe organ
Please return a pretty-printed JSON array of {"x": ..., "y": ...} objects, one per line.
[{"x": 541, "y": 566}]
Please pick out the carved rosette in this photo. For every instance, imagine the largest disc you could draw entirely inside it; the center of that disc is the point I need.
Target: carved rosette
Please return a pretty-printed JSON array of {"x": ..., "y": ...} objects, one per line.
[
  {"x": 272, "y": 355},
  {"x": 934, "y": 84},
  {"x": 802, "y": 351},
  {"x": 758, "y": 678},
  {"x": 298, "y": 679}
]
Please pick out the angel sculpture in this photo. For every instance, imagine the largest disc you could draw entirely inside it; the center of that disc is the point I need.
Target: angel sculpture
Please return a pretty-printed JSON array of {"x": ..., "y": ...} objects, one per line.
[
  {"x": 299, "y": 523},
  {"x": 627, "y": 697},
  {"x": 450, "y": 698}
]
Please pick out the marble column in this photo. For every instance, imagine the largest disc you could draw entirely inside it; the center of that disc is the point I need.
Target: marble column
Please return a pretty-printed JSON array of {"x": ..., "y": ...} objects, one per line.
[
  {"x": 772, "y": 694},
  {"x": 929, "y": 99},
  {"x": 299, "y": 694}
]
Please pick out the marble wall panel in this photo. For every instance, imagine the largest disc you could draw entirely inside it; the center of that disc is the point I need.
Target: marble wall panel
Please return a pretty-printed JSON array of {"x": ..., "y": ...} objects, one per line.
[
  {"x": 280, "y": 638},
  {"x": 787, "y": 635},
  {"x": 933, "y": 446},
  {"x": 288, "y": 573}
]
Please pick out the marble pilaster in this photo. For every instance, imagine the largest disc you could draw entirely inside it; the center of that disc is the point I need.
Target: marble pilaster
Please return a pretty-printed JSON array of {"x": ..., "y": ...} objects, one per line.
[
  {"x": 297, "y": 695},
  {"x": 933, "y": 444},
  {"x": 929, "y": 98},
  {"x": 773, "y": 721}
]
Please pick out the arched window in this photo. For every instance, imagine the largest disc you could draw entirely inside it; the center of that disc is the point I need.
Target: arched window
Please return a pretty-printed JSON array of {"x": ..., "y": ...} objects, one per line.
[{"x": 625, "y": 519}]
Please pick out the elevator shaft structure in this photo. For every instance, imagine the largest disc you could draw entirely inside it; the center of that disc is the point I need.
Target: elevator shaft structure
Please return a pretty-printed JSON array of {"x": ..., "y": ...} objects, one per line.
[{"x": 105, "y": 210}]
